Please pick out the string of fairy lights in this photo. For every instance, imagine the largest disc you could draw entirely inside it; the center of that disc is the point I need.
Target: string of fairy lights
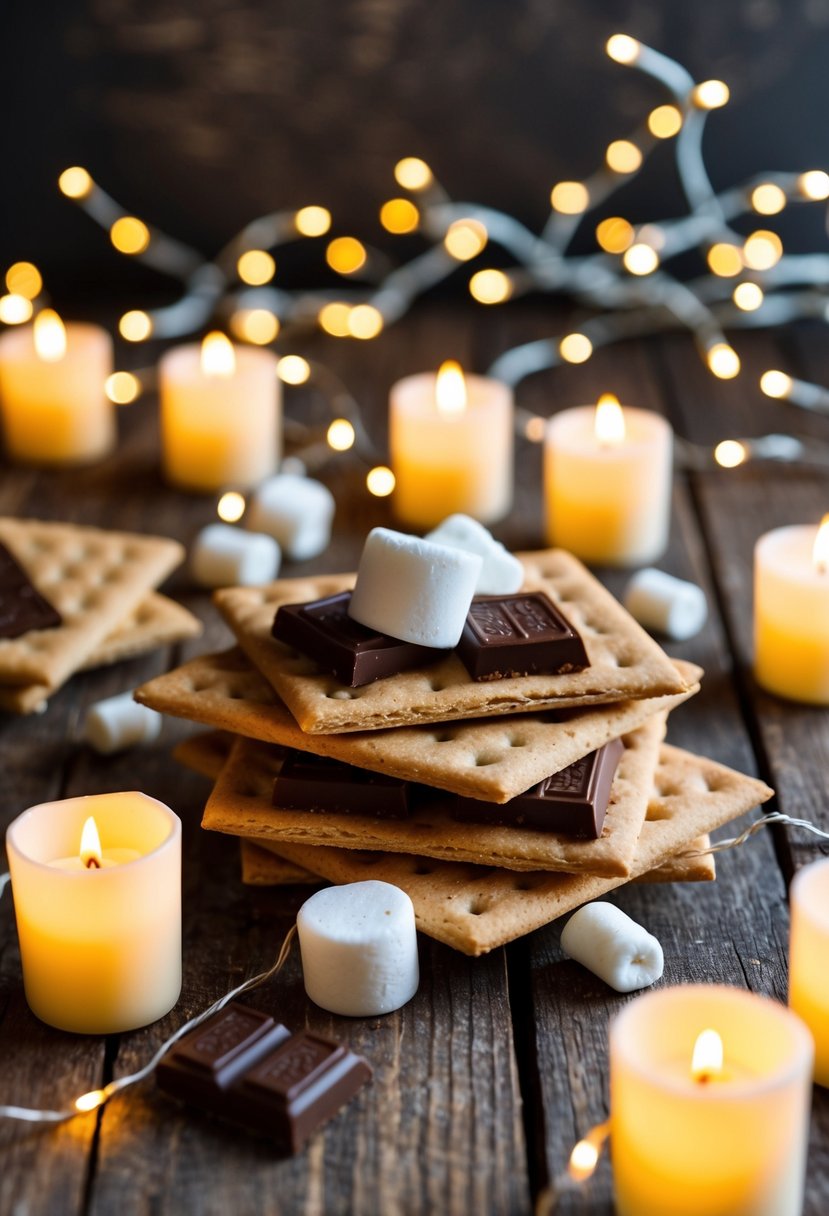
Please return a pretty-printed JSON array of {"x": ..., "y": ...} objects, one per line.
[{"x": 626, "y": 281}]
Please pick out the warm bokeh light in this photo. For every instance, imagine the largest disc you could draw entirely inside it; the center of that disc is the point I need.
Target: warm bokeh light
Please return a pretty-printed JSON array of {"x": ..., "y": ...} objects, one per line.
[
  {"x": 333, "y": 318},
  {"x": 231, "y": 507},
  {"x": 570, "y": 198},
  {"x": 256, "y": 267},
  {"x": 730, "y": 453},
  {"x": 776, "y": 384},
  {"x": 665, "y": 121},
  {"x": 399, "y": 215},
  {"x": 293, "y": 369},
  {"x": 346, "y": 254},
  {"x": 129, "y": 234},
  {"x": 814, "y": 184},
  {"x": 724, "y": 361},
  {"x": 256, "y": 325},
  {"x": 75, "y": 182},
  {"x": 609, "y": 421},
  {"x": 575, "y": 348},
  {"x": 450, "y": 388},
  {"x": 312, "y": 221},
  {"x": 748, "y": 296},
  {"x": 49, "y": 336},
  {"x": 90, "y": 1101},
  {"x": 762, "y": 250},
  {"x": 622, "y": 156},
  {"x": 380, "y": 481},
  {"x": 135, "y": 326},
  {"x": 768, "y": 199},
  {"x": 820, "y": 549},
  {"x": 490, "y": 287},
  {"x": 711, "y": 94},
  {"x": 14, "y": 309},
  {"x": 412, "y": 173},
  {"x": 365, "y": 321},
  {"x": 707, "y": 1057},
  {"x": 615, "y": 234},
  {"x": 340, "y": 435},
  {"x": 583, "y": 1161},
  {"x": 623, "y": 48},
  {"x": 640, "y": 259},
  {"x": 24, "y": 279},
  {"x": 724, "y": 260},
  {"x": 122, "y": 387},
  {"x": 218, "y": 357},
  {"x": 90, "y": 844},
  {"x": 465, "y": 239},
  {"x": 534, "y": 429}
]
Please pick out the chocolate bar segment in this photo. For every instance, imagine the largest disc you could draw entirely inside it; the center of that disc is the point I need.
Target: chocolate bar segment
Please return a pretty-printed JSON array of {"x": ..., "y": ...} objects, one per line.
[
  {"x": 242, "y": 1066},
  {"x": 323, "y": 631},
  {"x": 317, "y": 783},
  {"x": 572, "y": 802},
  {"x": 22, "y": 607},
  {"x": 519, "y": 635}
]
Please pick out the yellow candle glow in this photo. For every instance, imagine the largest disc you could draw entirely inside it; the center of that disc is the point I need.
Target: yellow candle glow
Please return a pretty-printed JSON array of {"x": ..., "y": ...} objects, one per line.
[
  {"x": 808, "y": 952},
  {"x": 791, "y": 613},
  {"x": 54, "y": 407},
  {"x": 725, "y": 1136},
  {"x": 220, "y": 414},
  {"x": 451, "y": 441},
  {"x": 99, "y": 927},
  {"x": 607, "y": 483}
]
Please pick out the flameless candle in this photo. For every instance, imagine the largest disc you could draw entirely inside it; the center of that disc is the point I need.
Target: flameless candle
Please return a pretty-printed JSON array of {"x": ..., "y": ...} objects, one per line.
[
  {"x": 99, "y": 928},
  {"x": 451, "y": 447},
  {"x": 607, "y": 483},
  {"x": 220, "y": 414},
  {"x": 704, "y": 1138},
  {"x": 791, "y": 612},
  {"x": 808, "y": 952},
  {"x": 52, "y": 398}
]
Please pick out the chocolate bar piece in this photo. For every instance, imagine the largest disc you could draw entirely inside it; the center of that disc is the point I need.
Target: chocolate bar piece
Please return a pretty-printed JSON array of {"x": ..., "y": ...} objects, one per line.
[
  {"x": 22, "y": 607},
  {"x": 243, "y": 1066},
  {"x": 519, "y": 635},
  {"x": 325, "y": 632},
  {"x": 317, "y": 783},
  {"x": 572, "y": 802}
]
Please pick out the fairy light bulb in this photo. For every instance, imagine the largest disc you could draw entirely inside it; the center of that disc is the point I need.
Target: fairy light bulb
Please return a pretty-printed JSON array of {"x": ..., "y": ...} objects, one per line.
[
  {"x": 75, "y": 182},
  {"x": 256, "y": 267},
  {"x": 490, "y": 287},
  {"x": 259, "y": 326},
  {"x": 665, "y": 121},
  {"x": 762, "y": 250},
  {"x": 569, "y": 198},
  {"x": 312, "y": 221},
  {"x": 399, "y": 215},
  {"x": 412, "y": 173},
  {"x": 575, "y": 348},
  {"x": 334, "y": 319},
  {"x": 129, "y": 235},
  {"x": 15, "y": 309},
  {"x": 711, "y": 95},
  {"x": 724, "y": 260},
  {"x": 340, "y": 435},
  {"x": 623, "y": 49},
  {"x": 380, "y": 481},
  {"x": 723, "y": 361},
  {"x": 814, "y": 184},
  {"x": 135, "y": 326},
  {"x": 615, "y": 234},
  {"x": 623, "y": 156},
  {"x": 24, "y": 279},
  {"x": 364, "y": 321},
  {"x": 465, "y": 239},
  {"x": 768, "y": 199},
  {"x": 776, "y": 384},
  {"x": 640, "y": 259},
  {"x": 293, "y": 369},
  {"x": 122, "y": 388},
  {"x": 730, "y": 453},
  {"x": 346, "y": 255}
]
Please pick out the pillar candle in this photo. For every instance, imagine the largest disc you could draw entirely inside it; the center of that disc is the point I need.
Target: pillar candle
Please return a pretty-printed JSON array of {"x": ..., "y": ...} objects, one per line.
[
  {"x": 808, "y": 955},
  {"x": 451, "y": 442},
  {"x": 607, "y": 483},
  {"x": 730, "y": 1141},
  {"x": 220, "y": 415},
  {"x": 100, "y": 945},
  {"x": 54, "y": 407},
  {"x": 791, "y": 613}
]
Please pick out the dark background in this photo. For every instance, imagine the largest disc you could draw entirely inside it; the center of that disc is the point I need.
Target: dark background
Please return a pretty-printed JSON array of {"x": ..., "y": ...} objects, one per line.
[{"x": 199, "y": 115}]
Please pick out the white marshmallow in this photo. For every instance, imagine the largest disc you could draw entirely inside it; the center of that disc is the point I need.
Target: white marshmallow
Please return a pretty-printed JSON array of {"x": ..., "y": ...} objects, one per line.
[
  {"x": 359, "y": 948},
  {"x": 413, "y": 589},
  {"x": 611, "y": 945},
  {"x": 659, "y": 601},
  {"x": 297, "y": 511},
  {"x": 230, "y": 557},
  {"x": 501, "y": 573},
  {"x": 119, "y": 722}
]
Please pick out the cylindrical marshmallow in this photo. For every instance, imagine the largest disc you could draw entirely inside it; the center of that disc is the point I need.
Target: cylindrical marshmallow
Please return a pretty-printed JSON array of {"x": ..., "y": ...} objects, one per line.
[
  {"x": 230, "y": 557},
  {"x": 611, "y": 945},
  {"x": 297, "y": 511},
  {"x": 119, "y": 722},
  {"x": 359, "y": 948},
  {"x": 659, "y": 601},
  {"x": 501, "y": 573},
  {"x": 413, "y": 589}
]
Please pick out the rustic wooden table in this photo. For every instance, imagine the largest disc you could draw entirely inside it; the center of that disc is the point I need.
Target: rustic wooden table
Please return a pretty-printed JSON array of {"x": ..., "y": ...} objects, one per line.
[{"x": 486, "y": 1079}]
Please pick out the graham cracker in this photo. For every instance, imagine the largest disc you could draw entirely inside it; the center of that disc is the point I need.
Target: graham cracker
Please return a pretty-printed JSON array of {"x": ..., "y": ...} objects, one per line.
[
  {"x": 205, "y": 752},
  {"x": 94, "y": 578},
  {"x": 492, "y": 760},
  {"x": 474, "y": 909},
  {"x": 625, "y": 662},
  {"x": 260, "y": 868},
  {"x": 241, "y": 805}
]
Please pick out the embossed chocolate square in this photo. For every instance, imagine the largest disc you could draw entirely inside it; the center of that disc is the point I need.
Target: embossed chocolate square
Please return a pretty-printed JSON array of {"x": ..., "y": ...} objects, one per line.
[
  {"x": 306, "y": 782},
  {"x": 22, "y": 607},
  {"x": 519, "y": 635}
]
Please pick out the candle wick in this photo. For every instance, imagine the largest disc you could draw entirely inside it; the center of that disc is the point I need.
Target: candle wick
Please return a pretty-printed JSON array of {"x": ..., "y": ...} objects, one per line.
[{"x": 93, "y": 863}]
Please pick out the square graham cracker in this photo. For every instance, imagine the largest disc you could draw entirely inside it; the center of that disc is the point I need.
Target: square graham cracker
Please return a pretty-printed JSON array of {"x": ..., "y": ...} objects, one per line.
[
  {"x": 261, "y": 868},
  {"x": 625, "y": 662},
  {"x": 205, "y": 753},
  {"x": 489, "y": 759},
  {"x": 94, "y": 578},
  {"x": 474, "y": 909},
  {"x": 241, "y": 805}
]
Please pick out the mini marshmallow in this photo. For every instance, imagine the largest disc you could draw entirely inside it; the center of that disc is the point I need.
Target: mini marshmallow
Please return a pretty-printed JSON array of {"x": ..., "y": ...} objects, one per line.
[
  {"x": 359, "y": 948},
  {"x": 230, "y": 557},
  {"x": 119, "y": 722},
  {"x": 413, "y": 589},
  {"x": 297, "y": 511},
  {"x": 611, "y": 945},
  {"x": 501, "y": 573},
  {"x": 659, "y": 601}
]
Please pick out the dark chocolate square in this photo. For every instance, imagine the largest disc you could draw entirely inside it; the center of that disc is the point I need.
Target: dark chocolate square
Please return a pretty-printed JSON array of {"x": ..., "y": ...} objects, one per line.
[
  {"x": 319, "y": 784},
  {"x": 519, "y": 635},
  {"x": 22, "y": 607}
]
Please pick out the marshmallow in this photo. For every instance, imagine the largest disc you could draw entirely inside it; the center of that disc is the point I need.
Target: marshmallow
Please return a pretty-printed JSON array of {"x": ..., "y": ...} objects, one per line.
[
  {"x": 659, "y": 601},
  {"x": 297, "y": 511},
  {"x": 230, "y": 557},
  {"x": 359, "y": 948},
  {"x": 611, "y": 945},
  {"x": 120, "y": 722},
  {"x": 413, "y": 589},
  {"x": 501, "y": 573}
]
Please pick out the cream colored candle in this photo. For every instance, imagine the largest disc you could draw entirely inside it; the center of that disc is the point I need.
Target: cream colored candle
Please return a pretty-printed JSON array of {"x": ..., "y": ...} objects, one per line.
[
  {"x": 54, "y": 407},
  {"x": 808, "y": 958},
  {"x": 100, "y": 934},
  {"x": 451, "y": 442},
  {"x": 791, "y": 613},
  {"x": 607, "y": 483},
  {"x": 221, "y": 410},
  {"x": 713, "y": 1140}
]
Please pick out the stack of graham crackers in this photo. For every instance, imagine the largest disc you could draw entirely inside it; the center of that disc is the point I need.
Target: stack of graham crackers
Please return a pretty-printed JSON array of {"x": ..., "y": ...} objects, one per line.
[
  {"x": 74, "y": 597},
  {"x": 474, "y": 885}
]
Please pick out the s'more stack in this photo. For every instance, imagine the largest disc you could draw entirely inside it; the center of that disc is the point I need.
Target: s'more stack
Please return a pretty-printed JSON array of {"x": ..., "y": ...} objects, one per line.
[{"x": 482, "y": 729}]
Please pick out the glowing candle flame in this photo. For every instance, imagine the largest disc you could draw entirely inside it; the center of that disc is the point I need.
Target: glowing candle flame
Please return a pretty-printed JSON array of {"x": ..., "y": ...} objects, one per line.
[
  {"x": 217, "y": 355},
  {"x": 609, "y": 423},
  {"x": 50, "y": 336},
  {"x": 91, "y": 845},
  {"x": 450, "y": 388},
  {"x": 820, "y": 552},
  {"x": 707, "y": 1059}
]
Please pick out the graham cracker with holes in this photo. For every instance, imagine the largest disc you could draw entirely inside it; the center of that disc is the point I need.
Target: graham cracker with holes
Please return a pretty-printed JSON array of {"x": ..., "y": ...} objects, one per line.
[
  {"x": 241, "y": 805},
  {"x": 625, "y": 662},
  {"x": 474, "y": 909},
  {"x": 261, "y": 868},
  {"x": 493, "y": 760},
  {"x": 205, "y": 752},
  {"x": 94, "y": 578}
]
